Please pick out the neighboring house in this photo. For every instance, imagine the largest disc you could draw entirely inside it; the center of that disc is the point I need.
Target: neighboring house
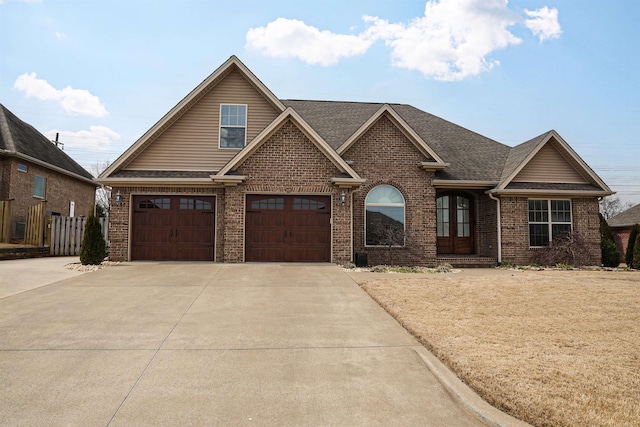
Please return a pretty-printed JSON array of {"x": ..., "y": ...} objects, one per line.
[
  {"x": 33, "y": 170},
  {"x": 234, "y": 174},
  {"x": 621, "y": 227}
]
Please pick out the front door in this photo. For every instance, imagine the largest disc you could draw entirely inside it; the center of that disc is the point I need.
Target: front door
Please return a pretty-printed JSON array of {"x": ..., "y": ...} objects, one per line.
[{"x": 454, "y": 213}]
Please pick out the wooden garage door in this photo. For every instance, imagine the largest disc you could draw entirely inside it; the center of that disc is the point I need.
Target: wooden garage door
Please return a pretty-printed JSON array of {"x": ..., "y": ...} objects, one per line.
[
  {"x": 173, "y": 228},
  {"x": 288, "y": 228}
]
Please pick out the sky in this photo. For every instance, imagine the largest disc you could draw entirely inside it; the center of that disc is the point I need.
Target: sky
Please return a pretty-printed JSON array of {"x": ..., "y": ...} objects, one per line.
[{"x": 101, "y": 73}]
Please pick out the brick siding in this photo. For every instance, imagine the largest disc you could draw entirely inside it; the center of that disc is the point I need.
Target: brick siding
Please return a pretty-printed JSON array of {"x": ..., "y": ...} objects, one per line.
[
  {"x": 515, "y": 229},
  {"x": 383, "y": 155},
  {"x": 60, "y": 190}
]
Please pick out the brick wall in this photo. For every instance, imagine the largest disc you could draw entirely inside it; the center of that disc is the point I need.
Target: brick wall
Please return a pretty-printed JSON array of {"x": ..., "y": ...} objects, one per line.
[
  {"x": 60, "y": 190},
  {"x": 119, "y": 216},
  {"x": 385, "y": 156},
  {"x": 515, "y": 229},
  {"x": 287, "y": 163}
]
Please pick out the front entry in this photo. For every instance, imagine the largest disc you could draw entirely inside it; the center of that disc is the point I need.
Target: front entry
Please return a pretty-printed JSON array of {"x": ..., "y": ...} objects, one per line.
[
  {"x": 455, "y": 219},
  {"x": 284, "y": 228}
]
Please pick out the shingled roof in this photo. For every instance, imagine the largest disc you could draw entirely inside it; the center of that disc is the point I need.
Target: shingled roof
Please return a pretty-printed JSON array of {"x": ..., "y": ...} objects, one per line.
[
  {"x": 22, "y": 139},
  {"x": 627, "y": 218},
  {"x": 472, "y": 156}
]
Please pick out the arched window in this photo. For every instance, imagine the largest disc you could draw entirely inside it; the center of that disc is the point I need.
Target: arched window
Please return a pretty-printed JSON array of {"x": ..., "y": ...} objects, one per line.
[{"x": 384, "y": 217}]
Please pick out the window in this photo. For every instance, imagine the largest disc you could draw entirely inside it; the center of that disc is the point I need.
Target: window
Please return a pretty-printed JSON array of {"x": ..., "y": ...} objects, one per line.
[
  {"x": 268, "y": 203},
  {"x": 233, "y": 124},
  {"x": 39, "y": 186},
  {"x": 384, "y": 217},
  {"x": 548, "y": 219},
  {"x": 195, "y": 204},
  {"x": 307, "y": 204},
  {"x": 22, "y": 168},
  {"x": 159, "y": 203}
]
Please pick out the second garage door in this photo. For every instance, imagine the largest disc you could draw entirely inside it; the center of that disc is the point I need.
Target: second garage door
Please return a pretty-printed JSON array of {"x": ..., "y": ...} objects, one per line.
[
  {"x": 283, "y": 228},
  {"x": 173, "y": 228}
]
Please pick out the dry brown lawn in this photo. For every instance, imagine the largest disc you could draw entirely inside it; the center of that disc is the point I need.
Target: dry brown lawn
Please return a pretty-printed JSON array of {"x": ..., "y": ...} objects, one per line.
[{"x": 553, "y": 348}]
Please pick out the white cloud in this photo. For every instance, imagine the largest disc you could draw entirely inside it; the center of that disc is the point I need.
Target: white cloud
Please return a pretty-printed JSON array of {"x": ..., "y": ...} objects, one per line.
[
  {"x": 286, "y": 38},
  {"x": 73, "y": 101},
  {"x": 544, "y": 23},
  {"x": 452, "y": 41},
  {"x": 97, "y": 138},
  {"x": 60, "y": 36}
]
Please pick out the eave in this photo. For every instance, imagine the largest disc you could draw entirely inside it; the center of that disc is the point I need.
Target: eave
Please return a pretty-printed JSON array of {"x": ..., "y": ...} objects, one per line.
[
  {"x": 48, "y": 166},
  {"x": 228, "y": 180},
  {"x": 463, "y": 184},
  {"x": 433, "y": 166},
  {"x": 546, "y": 193},
  {"x": 347, "y": 182},
  {"x": 157, "y": 182}
]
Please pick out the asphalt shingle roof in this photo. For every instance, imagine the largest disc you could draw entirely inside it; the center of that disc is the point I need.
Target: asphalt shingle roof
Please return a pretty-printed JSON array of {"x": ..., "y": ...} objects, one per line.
[
  {"x": 17, "y": 136},
  {"x": 472, "y": 156},
  {"x": 627, "y": 218}
]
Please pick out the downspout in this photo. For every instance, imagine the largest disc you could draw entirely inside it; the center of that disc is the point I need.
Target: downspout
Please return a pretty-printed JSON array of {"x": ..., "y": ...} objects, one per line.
[{"x": 491, "y": 196}]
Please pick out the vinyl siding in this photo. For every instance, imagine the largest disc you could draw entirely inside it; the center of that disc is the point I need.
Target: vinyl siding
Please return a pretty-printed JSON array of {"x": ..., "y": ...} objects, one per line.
[
  {"x": 191, "y": 143},
  {"x": 549, "y": 165}
]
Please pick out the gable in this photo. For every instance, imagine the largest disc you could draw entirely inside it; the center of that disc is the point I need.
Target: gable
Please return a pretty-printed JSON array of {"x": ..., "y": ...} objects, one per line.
[
  {"x": 191, "y": 142},
  {"x": 383, "y": 145},
  {"x": 288, "y": 157},
  {"x": 550, "y": 165}
]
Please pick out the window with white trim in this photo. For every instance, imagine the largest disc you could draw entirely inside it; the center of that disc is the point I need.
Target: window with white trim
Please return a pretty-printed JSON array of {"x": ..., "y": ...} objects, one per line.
[
  {"x": 384, "y": 217},
  {"x": 548, "y": 219},
  {"x": 39, "y": 186},
  {"x": 233, "y": 126}
]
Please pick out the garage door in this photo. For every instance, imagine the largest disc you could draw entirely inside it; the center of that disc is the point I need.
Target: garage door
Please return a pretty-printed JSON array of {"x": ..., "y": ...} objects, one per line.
[
  {"x": 288, "y": 228},
  {"x": 173, "y": 228}
]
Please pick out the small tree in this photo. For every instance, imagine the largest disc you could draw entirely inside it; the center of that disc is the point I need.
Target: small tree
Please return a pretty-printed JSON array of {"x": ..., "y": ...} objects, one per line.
[
  {"x": 633, "y": 235},
  {"x": 94, "y": 248},
  {"x": 608, "y": 248},
  {"x": 636, "y": 253}
]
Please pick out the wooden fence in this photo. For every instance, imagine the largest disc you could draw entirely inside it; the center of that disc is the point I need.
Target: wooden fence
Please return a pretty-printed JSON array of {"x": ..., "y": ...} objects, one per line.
[
  {"x": 34, "y": 224},
  {"x": 65, "y": 237},
  {"x": 5, "y": 221}
]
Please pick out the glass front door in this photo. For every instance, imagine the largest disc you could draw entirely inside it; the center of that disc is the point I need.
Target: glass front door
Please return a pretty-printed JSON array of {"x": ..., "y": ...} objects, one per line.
[{"x": 454, "y": 214}]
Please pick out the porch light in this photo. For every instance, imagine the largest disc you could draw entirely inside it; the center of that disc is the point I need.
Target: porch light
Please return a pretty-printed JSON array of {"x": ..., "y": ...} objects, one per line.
[
  {"x": 118, "y": 198},
  {"x": 343, "y": 199}
]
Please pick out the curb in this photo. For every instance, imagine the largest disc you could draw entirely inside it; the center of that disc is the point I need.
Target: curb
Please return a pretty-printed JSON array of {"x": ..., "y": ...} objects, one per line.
[{"x": 465, "y": 395}]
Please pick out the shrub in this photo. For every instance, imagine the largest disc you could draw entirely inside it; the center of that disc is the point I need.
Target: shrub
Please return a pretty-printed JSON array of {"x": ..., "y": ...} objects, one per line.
[
  {"x": 636, "y": 253},
  {"x": 610, "y": 253},
  {"x": 633, "y": 235},
  {"x": 566, "y": 249},
  {"x": 94, "y": 248}
]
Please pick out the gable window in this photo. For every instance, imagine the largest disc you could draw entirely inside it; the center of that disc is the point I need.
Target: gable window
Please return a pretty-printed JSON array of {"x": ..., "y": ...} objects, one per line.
[
  {"x": 233, "y": 125},
  {"x": 39, "y": 186},
  {"x": 22, "y": 168},
  {"x": 384, "y": 217},
  {"x": 548, "y": 219}
]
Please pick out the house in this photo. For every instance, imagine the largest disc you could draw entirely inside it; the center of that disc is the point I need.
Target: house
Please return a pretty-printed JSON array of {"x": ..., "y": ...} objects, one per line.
[
  {"x": 621, "y": 227},
  {"x": 33, "y": 170},
  {"x": 234, "y": 174}
]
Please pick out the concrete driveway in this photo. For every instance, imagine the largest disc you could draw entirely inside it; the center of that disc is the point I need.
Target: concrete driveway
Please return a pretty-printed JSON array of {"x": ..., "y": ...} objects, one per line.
[{"x": 212, "y": 344}]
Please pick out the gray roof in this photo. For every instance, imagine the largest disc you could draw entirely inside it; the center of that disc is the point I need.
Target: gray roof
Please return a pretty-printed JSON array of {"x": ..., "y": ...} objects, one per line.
[
  {"x": 18, "y": 137},
  {"x": 472, "y": 156},
  {"x": 627, "y": 218}
]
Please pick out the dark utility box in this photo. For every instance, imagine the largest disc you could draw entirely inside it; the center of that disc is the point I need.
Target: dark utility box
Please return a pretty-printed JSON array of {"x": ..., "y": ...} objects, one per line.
[{"x": 361, "y": 259}]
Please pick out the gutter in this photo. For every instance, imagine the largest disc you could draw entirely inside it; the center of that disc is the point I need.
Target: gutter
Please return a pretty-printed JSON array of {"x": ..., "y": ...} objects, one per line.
[{"x": 491, "y": 196}]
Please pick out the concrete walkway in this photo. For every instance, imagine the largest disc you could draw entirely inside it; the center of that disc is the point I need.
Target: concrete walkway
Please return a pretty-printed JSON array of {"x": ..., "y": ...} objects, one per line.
[{"x": 211, "y": 344}]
